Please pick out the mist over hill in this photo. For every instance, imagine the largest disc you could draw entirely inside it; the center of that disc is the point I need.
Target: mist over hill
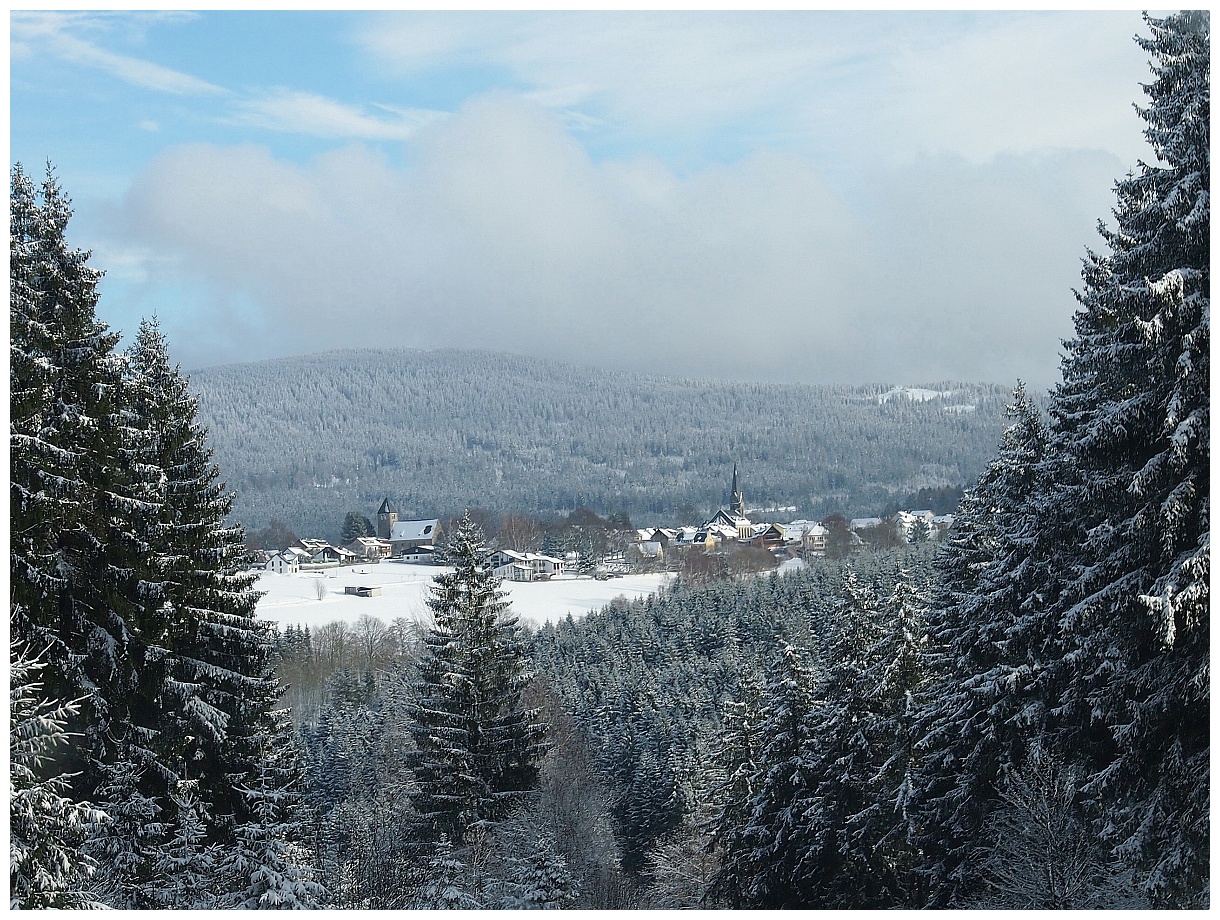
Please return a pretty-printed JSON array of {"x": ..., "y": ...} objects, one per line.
[{"x": 306, "y": 439}]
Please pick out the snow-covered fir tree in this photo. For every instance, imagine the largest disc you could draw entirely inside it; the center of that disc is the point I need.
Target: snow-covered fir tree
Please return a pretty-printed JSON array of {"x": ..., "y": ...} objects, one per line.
[
  {"x": 186, "y": 864},
  {"x": 1132, "y": 418},
  {"x": 764, "y": 855},
  {"x": 478, "y": 746},
  {"x": 977, "y": 718},
  {"x": 203, "y": 654},
  {"x": 64, "y": 466},
  {"x": 47, "y": 868},
  {"x": 267, "y": 867},
  {"x": 1042, "y": 853},
  {"x": 125, "y": 847}
]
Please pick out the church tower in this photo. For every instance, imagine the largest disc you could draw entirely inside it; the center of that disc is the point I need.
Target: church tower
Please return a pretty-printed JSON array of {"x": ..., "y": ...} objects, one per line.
[
  {"x": 737, "y": 501},
  {"x": 387, "y": 517}
]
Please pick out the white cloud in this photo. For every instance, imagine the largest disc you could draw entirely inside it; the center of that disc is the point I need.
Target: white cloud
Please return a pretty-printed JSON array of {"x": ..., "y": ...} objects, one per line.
[
  {"x": 870, "y": 84},
  {"x": 504, "y": 234},
  {"x": 307, "y": 113},
  {"x": 53, "y": 34}
]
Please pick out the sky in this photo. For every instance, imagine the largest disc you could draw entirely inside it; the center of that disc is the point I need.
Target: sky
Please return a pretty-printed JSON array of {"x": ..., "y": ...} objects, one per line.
[{"x": 800, "y": 196}]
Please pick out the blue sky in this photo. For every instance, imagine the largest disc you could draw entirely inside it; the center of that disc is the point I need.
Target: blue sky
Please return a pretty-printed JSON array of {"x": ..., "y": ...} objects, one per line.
[{"x": 878, "y": 196}]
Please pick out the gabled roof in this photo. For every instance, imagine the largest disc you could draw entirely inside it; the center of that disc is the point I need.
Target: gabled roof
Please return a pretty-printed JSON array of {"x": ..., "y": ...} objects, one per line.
[{"x": 414, "y": 530}]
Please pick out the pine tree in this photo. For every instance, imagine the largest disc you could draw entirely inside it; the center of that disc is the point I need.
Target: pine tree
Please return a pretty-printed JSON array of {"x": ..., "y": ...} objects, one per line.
[
  {"x": 356, "y": 525},
  {"x": 447, "y": 885},
  {"x": 1132, "y": 416},
  {"x": 125, "y": 847},
  {"x": 186, "y": 866},
  {"x": 984, "y": 635},
  {"x": 478, "y": 747},
  {"x": 267, "y": 868},
  {"x": 203, "y": 655},
  {"x": 47, "y": 868},
  {"x": 65, "y": 470},
  {"x": 1043, "y": 855},
  {"x": 765, "y": 854}
]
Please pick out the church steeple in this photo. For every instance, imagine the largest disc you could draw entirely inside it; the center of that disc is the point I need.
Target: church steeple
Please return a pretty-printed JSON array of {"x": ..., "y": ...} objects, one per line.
[
  {"x": 387, "y": 517},
  {"x": 737, "y": 501}
]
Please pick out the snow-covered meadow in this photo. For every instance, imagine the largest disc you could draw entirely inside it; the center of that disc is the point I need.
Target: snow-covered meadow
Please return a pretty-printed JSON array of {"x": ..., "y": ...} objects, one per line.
[{"x": 293, "y": 599}]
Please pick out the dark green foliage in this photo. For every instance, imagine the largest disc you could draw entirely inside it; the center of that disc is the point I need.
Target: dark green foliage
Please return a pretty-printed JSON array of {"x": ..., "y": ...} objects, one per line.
[
  {"x": 477, "y": 744},
  {"x": 1132, "y": 420},
  {"x": 124, "y": 570},
  {"x": 65, "y": 435},
  {"x": 356, "y": 525}
]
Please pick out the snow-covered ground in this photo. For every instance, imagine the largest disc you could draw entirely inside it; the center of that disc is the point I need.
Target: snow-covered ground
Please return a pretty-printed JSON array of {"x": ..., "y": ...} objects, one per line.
[
  {"x": 914, "y": 394},
  {"x": 293, "y": 599}
]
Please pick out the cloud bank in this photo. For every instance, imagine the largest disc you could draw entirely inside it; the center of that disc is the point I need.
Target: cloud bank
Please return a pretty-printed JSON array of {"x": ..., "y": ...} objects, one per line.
[{"x": 502, "y": 233}]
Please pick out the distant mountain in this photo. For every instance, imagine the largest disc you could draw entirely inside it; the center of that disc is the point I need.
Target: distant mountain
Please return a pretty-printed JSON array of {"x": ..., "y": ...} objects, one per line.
[{"x": 307, "y": 439}]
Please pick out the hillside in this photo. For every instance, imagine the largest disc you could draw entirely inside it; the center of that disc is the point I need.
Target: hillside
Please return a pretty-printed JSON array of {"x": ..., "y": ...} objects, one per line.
[{"x": 307, "y": 439}]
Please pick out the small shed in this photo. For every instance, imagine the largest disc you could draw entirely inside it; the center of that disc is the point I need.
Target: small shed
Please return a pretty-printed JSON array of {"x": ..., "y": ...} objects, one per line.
[{"x": 363, "y": 590}]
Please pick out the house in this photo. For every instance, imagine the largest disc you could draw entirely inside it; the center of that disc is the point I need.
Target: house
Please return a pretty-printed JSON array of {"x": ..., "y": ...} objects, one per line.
[
  {"x": 363, "y": 590},
  {"x": 405, "y": 535},
  {"x": 333, "y": 555},
  {"x": 941, "y": 525},
  {"x": 369, "y": 549},
  {"x": 311, "y": 545},
  {"x": 863, "y": 523},
  {"x": 285, "y": 563},
  {"x": 514, "y": 571},
  {"x": 769, "y": 536},
  {"x": 646, "y": 551},
  {"x": 684, "y": 537},
  {"x": 809, "y": 535},
  {"x": 514, "y": 566},
  {"x": 420, "y": 555}
]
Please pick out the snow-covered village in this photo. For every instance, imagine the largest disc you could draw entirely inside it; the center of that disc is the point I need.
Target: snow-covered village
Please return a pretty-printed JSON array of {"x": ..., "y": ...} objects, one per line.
[{"x": 618, "y": 460}]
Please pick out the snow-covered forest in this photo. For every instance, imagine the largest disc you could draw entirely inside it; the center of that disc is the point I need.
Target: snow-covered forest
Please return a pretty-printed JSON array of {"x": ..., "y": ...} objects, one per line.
[
  {"x": 1017, "y": 717},
  {"x": 307, "y": 439}
]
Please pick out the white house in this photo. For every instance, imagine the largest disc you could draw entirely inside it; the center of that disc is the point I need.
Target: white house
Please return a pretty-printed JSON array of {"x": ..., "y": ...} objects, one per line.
[
  {"x": 310, "y": 544},
  {"x": 513, "y": 566},
  {"x": 285, "y": 563},
  {"x": 334, "y": 555}
]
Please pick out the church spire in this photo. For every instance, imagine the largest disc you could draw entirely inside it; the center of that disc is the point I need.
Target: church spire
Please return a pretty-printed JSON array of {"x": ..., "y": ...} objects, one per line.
[{"x": 737, "y": 501}]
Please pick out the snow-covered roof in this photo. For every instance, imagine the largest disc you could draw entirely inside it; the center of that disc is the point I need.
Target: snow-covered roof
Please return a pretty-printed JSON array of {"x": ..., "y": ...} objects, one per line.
[
  {"x": 413, "y": 530},
  {"x": 858, "y": 523},
  {"x": 794, "y": 529}
]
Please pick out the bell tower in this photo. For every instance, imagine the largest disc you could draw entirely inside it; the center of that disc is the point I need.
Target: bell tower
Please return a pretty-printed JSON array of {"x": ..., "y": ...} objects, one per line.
[
  {"x": 387, "y": 517},
  {"x": 737, "y": 501}
]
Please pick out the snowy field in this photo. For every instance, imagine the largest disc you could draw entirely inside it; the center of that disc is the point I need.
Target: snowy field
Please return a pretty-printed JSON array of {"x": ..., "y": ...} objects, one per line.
[{"x": 293, "y": 599}]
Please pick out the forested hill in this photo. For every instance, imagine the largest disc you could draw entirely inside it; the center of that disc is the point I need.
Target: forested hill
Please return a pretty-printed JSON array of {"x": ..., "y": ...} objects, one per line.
[{"x": 307, "y": 439}]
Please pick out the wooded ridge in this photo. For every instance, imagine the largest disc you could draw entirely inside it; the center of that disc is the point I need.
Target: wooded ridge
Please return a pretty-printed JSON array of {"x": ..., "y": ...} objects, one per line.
[{"x": 307, "y": 439}]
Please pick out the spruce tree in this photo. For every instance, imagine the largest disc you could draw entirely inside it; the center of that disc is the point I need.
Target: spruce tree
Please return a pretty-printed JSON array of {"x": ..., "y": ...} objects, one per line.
[
  {"x": 47, "y": 868},
  {"x": 69, "y": 590},
  {"x": 478, "y": 745},
  {"x": 267, "y": 867},
  {"x": 976, "y": 718},
  {"x": 1132, "y": 417},
  {"x": 204, "y": 675}
]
